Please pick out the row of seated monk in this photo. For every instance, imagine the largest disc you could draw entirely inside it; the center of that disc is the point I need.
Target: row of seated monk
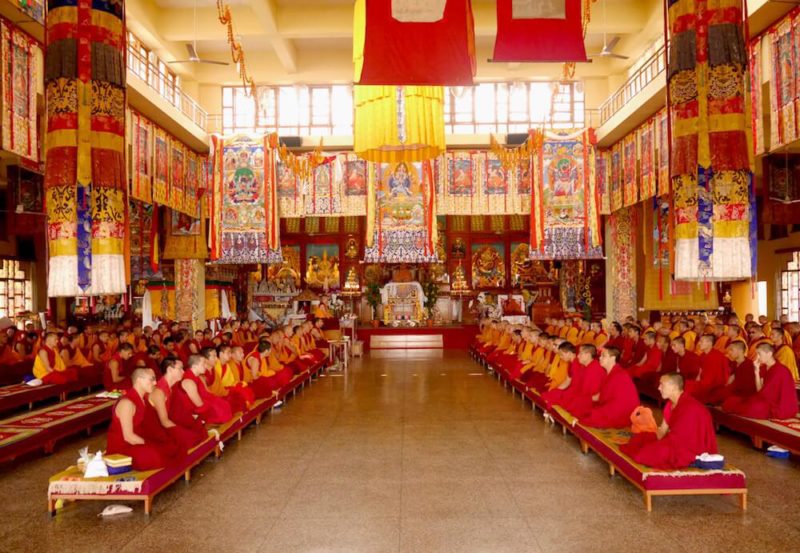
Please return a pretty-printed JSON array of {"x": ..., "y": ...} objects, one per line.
[
  {"x": 160, "y": 419},
  {"x": 61, "y": 357},
  {"x": 602, "y": 390}
]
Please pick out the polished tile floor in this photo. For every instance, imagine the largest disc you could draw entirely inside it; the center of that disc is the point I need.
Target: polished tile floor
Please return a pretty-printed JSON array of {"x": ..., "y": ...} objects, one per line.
[{"x": 407, "y": 454}]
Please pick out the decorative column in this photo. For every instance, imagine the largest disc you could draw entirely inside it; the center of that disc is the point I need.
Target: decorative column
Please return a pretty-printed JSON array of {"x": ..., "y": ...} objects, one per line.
[{"x": 85, "y": 179}]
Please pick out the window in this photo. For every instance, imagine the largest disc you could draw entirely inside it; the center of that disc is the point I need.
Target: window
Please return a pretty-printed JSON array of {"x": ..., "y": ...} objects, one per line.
[
  {"x": 16, "y": 288},
  {"x": 320, "y": 110},
  {"x": 790, "y": 289}
]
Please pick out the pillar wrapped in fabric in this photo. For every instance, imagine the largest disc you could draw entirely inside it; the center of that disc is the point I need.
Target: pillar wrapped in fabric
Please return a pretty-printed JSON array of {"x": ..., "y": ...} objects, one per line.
[
  {"x": 711, "y": 157},
  {"x": 413, "y": 42},
  {"x": 399, "y": 123},
  {"x": 84, "y": 147},
  {"x": 190, "y": 297},
  {"x": 538, "y": 31}
]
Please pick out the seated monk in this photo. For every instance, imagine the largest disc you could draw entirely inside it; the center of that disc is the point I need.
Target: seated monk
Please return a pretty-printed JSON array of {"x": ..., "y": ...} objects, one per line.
[
  {"x": 508, "y": 357},
  {"x": 615, "y": 337},
  {"x": 651, "y": 362},
  {"x": 600, "y": 337},
  {"x": 322, "y": 311},
  {"x": 776, "y": 395},
  {"x": 573, "y": 335},
  {"x": 151, "y": 359},
  {"x": 524, "y": 355},
  {"x": 586, "y": 383},
  {"x": 686, "y": 431},
  {"x": 688, "y": 362},
  {"x": 48, "y": 365},
  {"x": 132, "y": 431},
  {"x": 784, "y": 354},
  {"x": 193, "y": 396},
  {"x": 288, "y": 354},
  {"x": 264, "y": 372},
  {"x": 714, "y": 372},
  {"x": 742, "y": 381},
  {"x": 115, "y": 370},
  {"x": 184, "y": 428},
  {"x": 227, "y": 383},
  {"x": 310, "y": 344},
  {"x": 537, "y": 377},
  {"x": 306, "y": 355},
  {"x": 757, "y": 338},
  {"x": 512, "y": 307},
  {"x": 72, "y": 354},
  {"x": 617, "y": 398},
  {"x": 568, "y": 353}
]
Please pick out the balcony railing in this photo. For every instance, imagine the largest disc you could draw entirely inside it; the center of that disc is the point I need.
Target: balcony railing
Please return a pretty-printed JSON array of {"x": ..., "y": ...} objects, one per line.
[
  {"x": 164, "y": 84},
  {"x": 651, "y": 69}
]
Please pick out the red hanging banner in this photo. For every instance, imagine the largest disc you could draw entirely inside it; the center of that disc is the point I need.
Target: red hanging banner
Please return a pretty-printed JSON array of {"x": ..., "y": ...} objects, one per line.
[
  {"x": 414, "y": 42},
  {"x": 539, "y": 31}
]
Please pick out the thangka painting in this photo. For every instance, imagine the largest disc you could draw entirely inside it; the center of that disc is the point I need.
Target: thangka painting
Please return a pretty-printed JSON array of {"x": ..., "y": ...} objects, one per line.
[
  {"x": 355, "y": 177},
  {"x": 161, "y": 174},
  {"x": 27, "y": 189},
  {"x": 177, "y": 177},
  {"x": 290, "y": 197},
  {"x": 324, "y": 197},
  {"x": 662, "y": 152},
  {"x": 565, "y": 216},
  {"x": 495, "y": 189},
  {"x": 192, "y": 178},
  {"x": 322, "y": 265},
  {"x": 244, "y": 189},
  {"x": 603, "y": 173},
  {"x": 630, "y": 182},
  {"x": 647, "y": 188},
  {"x": 488, "y": 266},
  {"x": 524, "y": 270},
  {"x": 19, "y": 77},
  {"x": 524, "y": 176},
  {"x": 288, "y": 270},
  {"x": 615, "y": 181},
  {"x": 402, "y": 225},
  {"x": 142, "y": 157}
]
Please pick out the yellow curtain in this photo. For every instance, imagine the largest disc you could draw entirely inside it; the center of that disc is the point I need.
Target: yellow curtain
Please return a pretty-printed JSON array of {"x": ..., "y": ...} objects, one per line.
[
  {"x": 157, "y": 297},
  {"x": 394, "y": 124},
  {"x": 213, "y": 309}
]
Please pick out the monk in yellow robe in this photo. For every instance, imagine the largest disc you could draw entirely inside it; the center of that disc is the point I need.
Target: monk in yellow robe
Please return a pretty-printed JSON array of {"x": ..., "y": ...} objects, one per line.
[
  {"x": 323, "y": 311},
  {"x": 227, "y": 383},
  {"x": 784, "y": 354},
  {"x": 48, "y": 365}
]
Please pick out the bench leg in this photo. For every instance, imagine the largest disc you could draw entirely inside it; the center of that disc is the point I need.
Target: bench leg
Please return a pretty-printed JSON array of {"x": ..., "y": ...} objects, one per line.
[
  {"x": 217, "y": 451},
  {"x": 239, "y": 435},
  {"x": 187, "y": 475},
  {"x": 584, "y": 447},
  {"x": 758, "y": 443},
  {"x": 743, "y": 501},
  {"x": 612, "y": 470},
  {"x": 51, "y": 507},
  {"x": 648, "y": 502},
  {"x": 148, "y": 505}
]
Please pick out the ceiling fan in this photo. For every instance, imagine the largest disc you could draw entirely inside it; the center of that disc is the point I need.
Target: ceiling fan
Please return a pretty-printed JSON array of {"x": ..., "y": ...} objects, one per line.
[
  {"x": 191, "y": 48},
  {"x": 608, "y": 47}
]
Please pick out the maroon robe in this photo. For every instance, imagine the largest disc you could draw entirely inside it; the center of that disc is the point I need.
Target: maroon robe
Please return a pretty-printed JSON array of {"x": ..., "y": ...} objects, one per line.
[
  {"x": 556, "y": 396},
  {"x": 108, "y": 381},
  {"x": 618, "y": 399},
  {"x": 157, "y": 451},
  {"x": 688, "y": 365},
  {"x": 188, "y": 431},
  {"x": 577, "y": 399},
  {"x": 215, "y": 410},
  {"x": 651, "y": 364},
  {"x": 776, "y": 400},
  {"x": 691, "y": 433},
  {"x": 714, "y": 373}
]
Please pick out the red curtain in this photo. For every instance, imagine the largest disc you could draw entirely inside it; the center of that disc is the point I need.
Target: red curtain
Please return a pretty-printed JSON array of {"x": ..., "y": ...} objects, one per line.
[{"x": 558, "y": 38}]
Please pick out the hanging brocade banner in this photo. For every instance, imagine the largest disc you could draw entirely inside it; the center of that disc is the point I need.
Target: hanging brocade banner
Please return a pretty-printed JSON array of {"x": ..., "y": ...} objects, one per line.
[
  {"x": 784, "y": 90},
  {"x": 413, "y": 42},
  {"x": 603, "y": 173},
  {"x": 781, "y": 190},
  {"x": 537, "y": 31},
  {"x": 20, "y": 75},
  {"x": 711, "y": 146},
  {"x": 615, "y": 178},
  {"x": 244, "y": 212},
  {"x": 630, "y": 173},
  {"x": 647, "y": 154},
  {"x": 177, "y": 176},
  {"x": 756, "y": 58},
  {"x": 662, "y": 152},
  {"x": 85, "y": 95},
  {"x": 193, "y": 171},
  {"x": 401, "y": 214},
  {"x": 564, "y": 218},
  {"x": 398, "y": 123},
  {"x": 142, "y": 157}
]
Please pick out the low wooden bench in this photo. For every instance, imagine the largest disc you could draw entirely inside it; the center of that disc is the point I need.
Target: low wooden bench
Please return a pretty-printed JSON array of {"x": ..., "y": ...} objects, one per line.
[{"x": 782, "y": 433}]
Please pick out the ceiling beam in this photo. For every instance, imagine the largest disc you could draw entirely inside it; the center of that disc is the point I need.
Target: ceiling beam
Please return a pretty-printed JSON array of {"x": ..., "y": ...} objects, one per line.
[{"x": 265, "y": 12}]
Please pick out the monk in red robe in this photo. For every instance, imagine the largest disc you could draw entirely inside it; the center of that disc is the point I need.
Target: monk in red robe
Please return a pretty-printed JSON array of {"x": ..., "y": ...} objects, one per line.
[
  {"x": 651, "y": 362},
  {"x": 637, "y": 349},
  {"x": 617, "y": 398},
  {"x": 688, "y": 361},
  {"x": 714, "y": 372},
  {"x": 131, "y": 431},
  {"x": 193, "y": 395},
  {"x": 686, "y": 431},
  {"x": 184, "y": 428},
  {"x": 742, "y": 381},
  {"x": 585, "y": 382},
  {"x": 776, "y": 395},
  {"x": 115, "y": 370},
  {"x": 615, "y": 337},
  {"x": 569, "y": 355}
]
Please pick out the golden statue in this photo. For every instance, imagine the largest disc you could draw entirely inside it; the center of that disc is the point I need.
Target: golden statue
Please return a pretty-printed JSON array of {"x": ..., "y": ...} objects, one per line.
[
  {"x": 323, "y": 271},
  {"x": 488, "y": 269},
  {"x": 288, "y": 270},
  {"x": 526, "y": 271}
]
